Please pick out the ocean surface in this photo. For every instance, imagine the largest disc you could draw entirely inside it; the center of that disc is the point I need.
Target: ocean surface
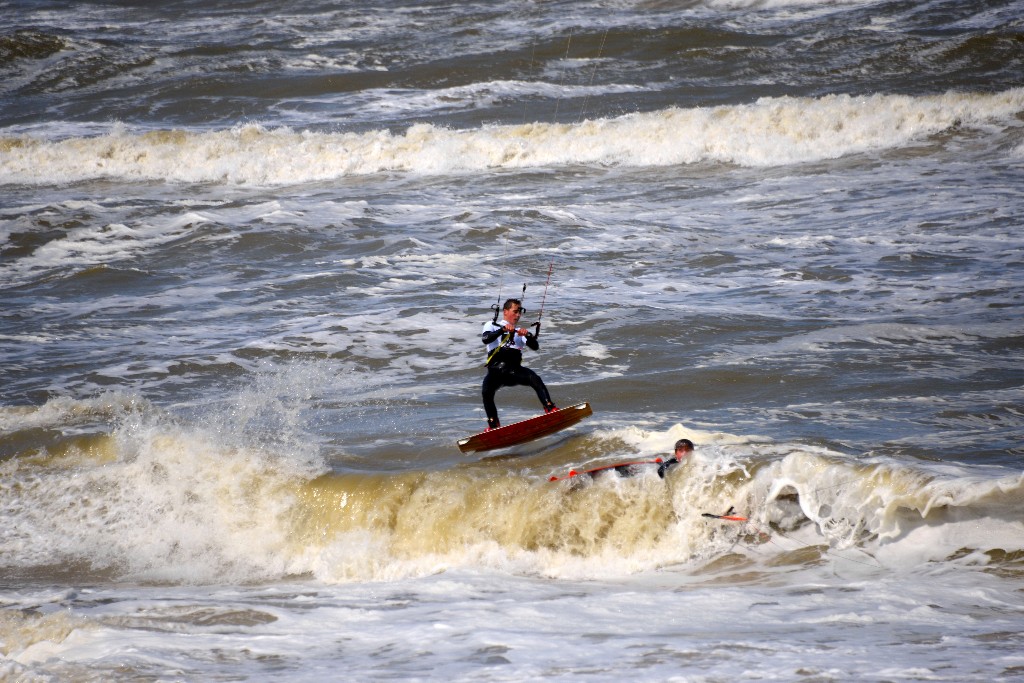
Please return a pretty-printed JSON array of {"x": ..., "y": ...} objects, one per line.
[{"x": 246, "y": 251}]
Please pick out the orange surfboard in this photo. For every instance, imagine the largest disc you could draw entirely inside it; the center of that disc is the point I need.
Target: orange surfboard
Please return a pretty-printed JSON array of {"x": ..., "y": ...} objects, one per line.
[
  {"x": 624, "y": 468},
  {"x": 527, "y": 430}
]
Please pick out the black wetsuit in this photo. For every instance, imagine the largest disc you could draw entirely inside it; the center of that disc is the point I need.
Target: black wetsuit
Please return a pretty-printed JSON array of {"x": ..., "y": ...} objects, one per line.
[
  {"x": 505, "y": 368},
  {"x": 632, "y": 469},
  {"x": 664, "y": 467}
]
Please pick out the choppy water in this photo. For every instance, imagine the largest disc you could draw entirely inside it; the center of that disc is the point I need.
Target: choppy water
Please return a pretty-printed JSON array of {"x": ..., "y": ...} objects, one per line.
[{"x": 246, "y": 251}]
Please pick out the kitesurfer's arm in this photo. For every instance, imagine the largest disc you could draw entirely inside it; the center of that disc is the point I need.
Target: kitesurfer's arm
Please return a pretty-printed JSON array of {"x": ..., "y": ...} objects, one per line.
[
  {"x": 489, "y": 336},
  {"x": 664, "y": 467}
]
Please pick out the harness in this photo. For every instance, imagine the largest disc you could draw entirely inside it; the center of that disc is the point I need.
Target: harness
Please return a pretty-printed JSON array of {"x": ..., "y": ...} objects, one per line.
[{"x": 506, "y": 338}]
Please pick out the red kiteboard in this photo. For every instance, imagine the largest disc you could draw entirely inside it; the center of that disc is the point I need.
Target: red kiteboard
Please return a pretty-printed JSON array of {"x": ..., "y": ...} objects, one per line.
[
  {"x": 623, "y": 468},
  {"x": 527, "y": 430}
]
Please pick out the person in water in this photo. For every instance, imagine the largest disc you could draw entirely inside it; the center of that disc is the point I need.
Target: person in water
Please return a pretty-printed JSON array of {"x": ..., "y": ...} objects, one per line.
[
  {"x": 683, "y": 448},
  {"x": 505, "y": 343}
]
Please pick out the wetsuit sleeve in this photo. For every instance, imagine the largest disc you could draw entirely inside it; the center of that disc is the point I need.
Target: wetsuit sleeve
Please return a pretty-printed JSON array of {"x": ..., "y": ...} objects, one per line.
[
  {"x": 532, "y": 342},
  {"x": 664, "y": 467},
  {"x": 490, "y": 335}
]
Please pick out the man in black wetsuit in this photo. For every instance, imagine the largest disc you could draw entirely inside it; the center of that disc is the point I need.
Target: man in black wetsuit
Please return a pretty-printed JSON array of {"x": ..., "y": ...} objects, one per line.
[
  {"x": 505, "y": 343},
  {"x": 683, "y": 448}
]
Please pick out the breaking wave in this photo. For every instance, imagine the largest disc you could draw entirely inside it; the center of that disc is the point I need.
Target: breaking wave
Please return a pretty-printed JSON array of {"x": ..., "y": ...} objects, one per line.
[
  {"x": 769, "y": 132},
  {"x": 156, "y": 500}
]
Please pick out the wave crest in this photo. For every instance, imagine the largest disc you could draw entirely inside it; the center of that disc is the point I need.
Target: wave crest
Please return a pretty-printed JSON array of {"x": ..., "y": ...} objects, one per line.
[
  {"x": 769, "y": 132},
  {"x": 154, "y": 500}
]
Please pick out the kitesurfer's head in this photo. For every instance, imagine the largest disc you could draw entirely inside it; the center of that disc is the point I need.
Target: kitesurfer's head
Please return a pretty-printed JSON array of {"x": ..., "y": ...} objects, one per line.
[
  {"x": 683, "y": 448},
  {"x": 509, "y": 303},
  {"x": 513, "y": 310}
]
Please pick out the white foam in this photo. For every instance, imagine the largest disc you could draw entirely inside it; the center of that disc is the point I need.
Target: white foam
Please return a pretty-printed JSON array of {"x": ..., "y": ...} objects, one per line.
[
  {"x": 770, "y": 132},
  {"x": 63, "y": 412},
  {"x": 846, "y": 543},
  {"x": 99, "y": 243}
]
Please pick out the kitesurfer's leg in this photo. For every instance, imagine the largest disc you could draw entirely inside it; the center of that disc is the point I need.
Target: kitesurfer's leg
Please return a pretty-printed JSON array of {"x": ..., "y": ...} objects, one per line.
[
  {"x": 492, "y": 382},
  {"x": 528, "y": 376}
]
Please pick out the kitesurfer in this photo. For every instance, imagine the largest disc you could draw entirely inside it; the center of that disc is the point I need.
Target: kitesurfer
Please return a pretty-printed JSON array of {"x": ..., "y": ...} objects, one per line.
[{"x": 505, "y": 343}]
